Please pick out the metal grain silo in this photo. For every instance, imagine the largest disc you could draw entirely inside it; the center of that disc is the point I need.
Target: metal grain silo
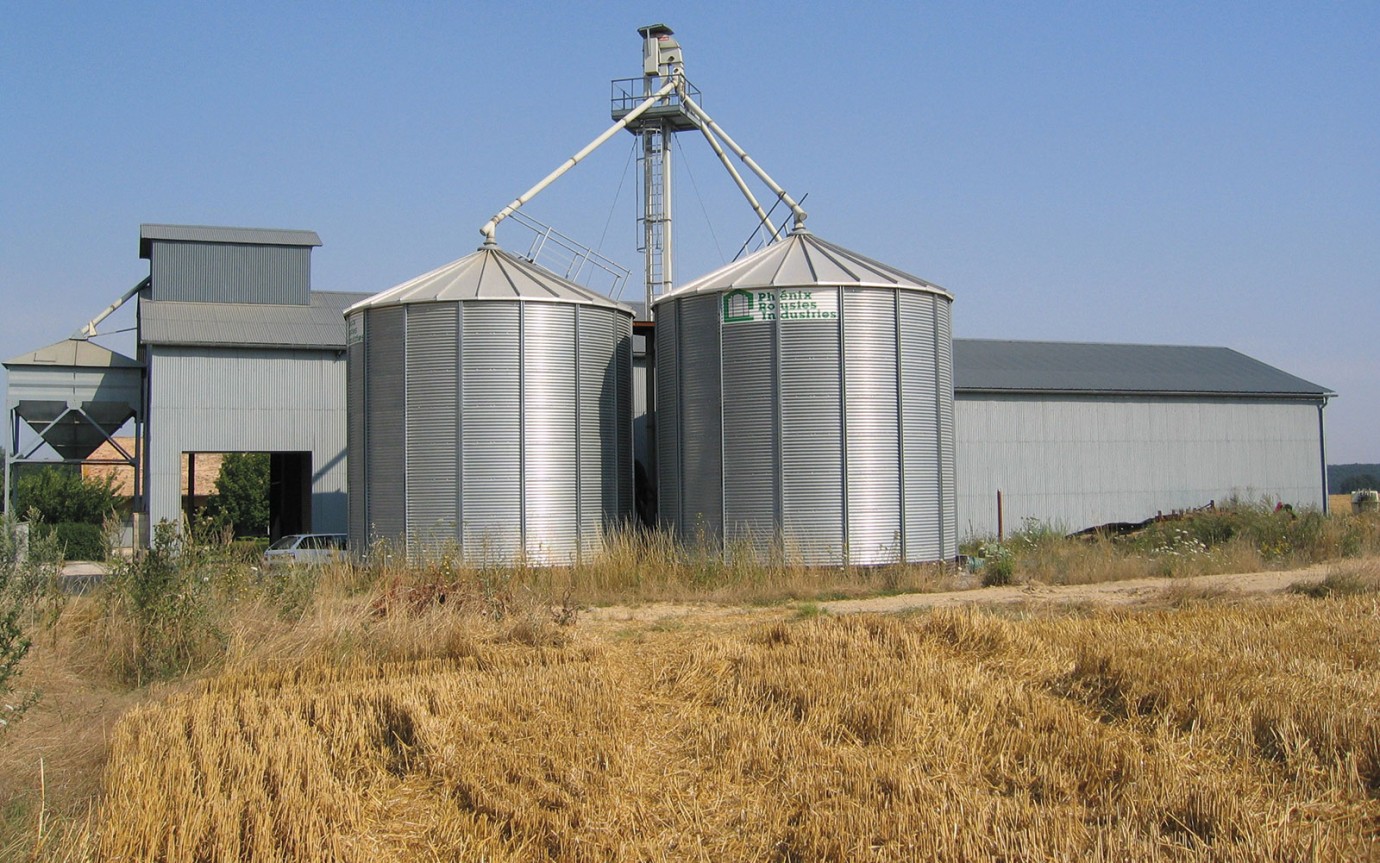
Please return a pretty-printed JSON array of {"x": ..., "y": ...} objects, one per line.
[
  {"x": 805, "y": 395},
  {"x": 490, "y": 409}
]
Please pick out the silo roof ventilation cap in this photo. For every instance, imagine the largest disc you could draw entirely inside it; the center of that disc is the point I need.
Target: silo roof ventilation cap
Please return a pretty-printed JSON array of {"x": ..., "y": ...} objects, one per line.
[
  {"x": 489, "y": 274},
  {"x": 803, "y": 259}
]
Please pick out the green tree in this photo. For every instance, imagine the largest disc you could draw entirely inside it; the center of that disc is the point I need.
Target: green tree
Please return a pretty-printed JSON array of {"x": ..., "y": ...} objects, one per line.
[
  {"x": 59, "y": 494},
  {"x": 241, "y": 498}
]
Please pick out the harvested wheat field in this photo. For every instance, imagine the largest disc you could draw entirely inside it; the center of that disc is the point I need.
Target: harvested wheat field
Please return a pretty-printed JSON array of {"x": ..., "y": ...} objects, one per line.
[{"x": 1209, "y": 731}]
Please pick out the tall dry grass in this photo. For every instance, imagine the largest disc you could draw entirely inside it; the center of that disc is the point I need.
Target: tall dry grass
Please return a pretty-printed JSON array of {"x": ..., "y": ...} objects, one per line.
[
  {"x": 1206, "y": 733},
  {"x": 637, "y": 566}
]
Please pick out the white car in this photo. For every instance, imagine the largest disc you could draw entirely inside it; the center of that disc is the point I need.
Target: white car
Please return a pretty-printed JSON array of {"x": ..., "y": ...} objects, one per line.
[{"x": 306, "y": 548}]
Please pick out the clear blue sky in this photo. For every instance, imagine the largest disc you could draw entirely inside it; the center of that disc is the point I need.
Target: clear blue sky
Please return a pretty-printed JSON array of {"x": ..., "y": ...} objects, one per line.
[{"x": 1162, "y": 173}]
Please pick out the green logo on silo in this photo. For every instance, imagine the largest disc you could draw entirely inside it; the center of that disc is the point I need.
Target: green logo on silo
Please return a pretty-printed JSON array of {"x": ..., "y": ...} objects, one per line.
[{"x": 738, "y": 307}]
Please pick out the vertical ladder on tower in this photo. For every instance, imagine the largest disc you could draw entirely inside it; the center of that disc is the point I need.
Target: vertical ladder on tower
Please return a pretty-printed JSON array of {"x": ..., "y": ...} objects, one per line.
[{"x": 655, "y": 221}]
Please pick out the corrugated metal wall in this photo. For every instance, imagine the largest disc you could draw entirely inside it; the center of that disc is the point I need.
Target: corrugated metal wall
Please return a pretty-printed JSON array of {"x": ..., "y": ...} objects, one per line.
[
  {"x": 355, "y": 432},
  {"x": 618, "y": 415},
  {"x": 433, "y": 471},
  {"x": 922, "y": 401},
  {"x": 597, "y": 464},
  {"x": 692, "y": 462},
  {"x": 872, "y": 421},
  {"x": 67, "y": 384},
  {"x": 235, "y": 400},
  {"x": 701, "y": 406},
  {"x": 751, "y": 467},
  {"x": 385, "y": 458},
  {"x": 605, "y": 400},
  {"x": 490, "y": 408},
  {"x": 835, "y": 434},
  {"x": 1075, "y": 462},
  {"x": 668, "y": 422},
  {"x": 230, "y": 273},
  {"x": 548, "y": 431},
  {"x": 504, "y": 426},
  {"x": 948, "y": 439},
  {"x": 812, "y": 443}
]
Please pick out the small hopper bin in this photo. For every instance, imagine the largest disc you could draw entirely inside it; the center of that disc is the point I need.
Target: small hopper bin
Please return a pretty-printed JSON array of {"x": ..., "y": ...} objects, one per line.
[{"x": 74, "y": 395}]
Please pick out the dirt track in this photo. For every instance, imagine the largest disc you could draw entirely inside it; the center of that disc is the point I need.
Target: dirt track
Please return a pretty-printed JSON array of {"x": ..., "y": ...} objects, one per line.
[{"x": 1134, "y": 591}]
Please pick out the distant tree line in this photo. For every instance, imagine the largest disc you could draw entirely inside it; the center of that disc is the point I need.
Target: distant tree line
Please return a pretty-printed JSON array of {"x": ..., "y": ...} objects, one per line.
[
  {"x": 1346, "y": 478},
  {"x": 1356, "y": 482}
]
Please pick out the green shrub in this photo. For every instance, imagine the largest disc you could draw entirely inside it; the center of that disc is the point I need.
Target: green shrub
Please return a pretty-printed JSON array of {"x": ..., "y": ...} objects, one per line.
[
  {"x": 166, "y": 601},
  {"x": 25, "y": 579},
  {"x": 1277, "y": 535},
  {"x": 999, "y": 564},
  {"x": 1035, "y": 535},
  {"x": 80, "y": 541},
  {"x": 59, "y": 494}
]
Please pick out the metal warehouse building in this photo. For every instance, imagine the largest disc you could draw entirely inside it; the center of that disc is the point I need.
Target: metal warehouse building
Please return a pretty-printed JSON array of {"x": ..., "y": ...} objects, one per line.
[
  {"x": 242, "y": 356},
  {"x": 236, "y": 353},
  {"x": 1077, "y": 435}
]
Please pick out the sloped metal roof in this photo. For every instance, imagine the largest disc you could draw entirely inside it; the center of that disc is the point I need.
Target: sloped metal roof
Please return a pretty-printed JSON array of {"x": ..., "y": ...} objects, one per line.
[
  {"x": 265, "y": 325},
  {"x": 74, "y": 353},
  {"x": 994, "y": 366},
  {"x": 210, "y": 234},
  {"x": 803, "y": 259},
  {"x": 489, "y": 274}
]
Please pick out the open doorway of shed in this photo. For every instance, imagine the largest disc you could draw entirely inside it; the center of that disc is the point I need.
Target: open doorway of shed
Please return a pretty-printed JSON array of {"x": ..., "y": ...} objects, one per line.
[{"x": 288, "y": 490}]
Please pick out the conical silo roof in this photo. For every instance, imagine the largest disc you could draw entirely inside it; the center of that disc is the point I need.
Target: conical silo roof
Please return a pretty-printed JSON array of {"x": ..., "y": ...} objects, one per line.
[
  {"x": 489, "y": 274},
  {"x": 803, "y": 259}
]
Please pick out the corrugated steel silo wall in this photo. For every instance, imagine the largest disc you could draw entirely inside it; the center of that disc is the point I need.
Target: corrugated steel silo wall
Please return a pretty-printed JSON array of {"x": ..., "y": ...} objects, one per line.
[
  {"x": 925, "y": 348},
  {"x": 386, "y": 454},
  {"x": 356, "y": 441},
  {"x": 872, "y": 422},
  {"x": 230, "y": 273},
  {"x": 549, "y": 431},
  {"x": 503, "y": 427},
  {"x": 751, "y": 465},
  {"x": 593, "y": 405},
  {"x": 491, "y": 438},
  {"x": 701, "y": 440},
  {"x": 920, "y": 408},
  {"x": 668, "y": 430},
  {"x": 620, "y": 462},
  {"x": 432, "y": 427},
  {"x": 812, "y": 442},
  {"x": 836, "y": 435},
  {"x": 948, "y": 446},
  {"x": 603, "y": 397}
]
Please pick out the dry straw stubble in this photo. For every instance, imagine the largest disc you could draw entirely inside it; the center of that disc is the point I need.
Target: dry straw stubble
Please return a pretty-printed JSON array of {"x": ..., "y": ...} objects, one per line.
[{"x": 1217, "y": 732}]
